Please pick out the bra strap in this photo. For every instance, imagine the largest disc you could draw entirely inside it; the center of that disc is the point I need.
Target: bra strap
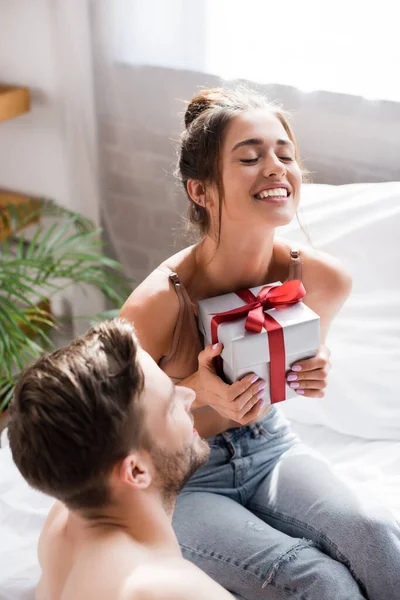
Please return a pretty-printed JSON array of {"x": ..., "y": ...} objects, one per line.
[
  {"x": 171, "y": 274},
  {"x": 295, "y": 266},
  {"x": 180, "y": 292}
]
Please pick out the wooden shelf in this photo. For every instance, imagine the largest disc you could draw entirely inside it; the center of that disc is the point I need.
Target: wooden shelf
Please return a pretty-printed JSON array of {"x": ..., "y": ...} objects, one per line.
[
  {"x": 14, "y": 101},
  {"x": 18, "y": 200}
]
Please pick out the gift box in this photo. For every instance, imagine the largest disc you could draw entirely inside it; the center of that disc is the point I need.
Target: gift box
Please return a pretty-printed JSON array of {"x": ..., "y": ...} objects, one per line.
[{"x": 264, "y": 330}]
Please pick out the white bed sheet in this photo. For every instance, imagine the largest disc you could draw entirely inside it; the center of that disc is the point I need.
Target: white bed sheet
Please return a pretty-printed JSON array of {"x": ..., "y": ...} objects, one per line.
[
  {"x": 22, "y": 514},
  {"x": 372, "y": 465}
]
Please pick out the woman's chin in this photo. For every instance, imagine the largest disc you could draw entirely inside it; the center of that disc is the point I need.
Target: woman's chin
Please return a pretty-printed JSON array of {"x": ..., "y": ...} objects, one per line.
[
  {"x": 276, "y": 214},
  {"x": 278, "y": 218}
]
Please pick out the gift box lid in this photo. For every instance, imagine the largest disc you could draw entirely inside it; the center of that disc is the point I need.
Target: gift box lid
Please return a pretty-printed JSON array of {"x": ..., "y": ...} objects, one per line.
[{"x": 300, "y": 326}]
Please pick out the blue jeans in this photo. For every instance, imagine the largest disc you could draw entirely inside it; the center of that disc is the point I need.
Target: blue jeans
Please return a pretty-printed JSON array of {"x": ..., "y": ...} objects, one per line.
[{"x": 267, "y": 517}]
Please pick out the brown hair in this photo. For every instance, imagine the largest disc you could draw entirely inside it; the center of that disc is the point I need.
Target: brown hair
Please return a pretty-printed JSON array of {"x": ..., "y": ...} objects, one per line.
[
  {"x": 206, "y": 118},
  {"x": 76, "y": 412}
]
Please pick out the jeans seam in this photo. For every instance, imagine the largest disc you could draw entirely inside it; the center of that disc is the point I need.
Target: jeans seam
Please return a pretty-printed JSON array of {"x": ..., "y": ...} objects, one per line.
[
  {"x": 272, "y": 436},
  {"x": 284, "y": 518},
  {"x": 243, "y": 492},
  {"x": 259, "y": 576}
]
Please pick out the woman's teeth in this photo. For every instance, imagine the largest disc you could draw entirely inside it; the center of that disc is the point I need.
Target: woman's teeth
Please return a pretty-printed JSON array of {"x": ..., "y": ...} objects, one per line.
[{"x": 275, "y": 192}]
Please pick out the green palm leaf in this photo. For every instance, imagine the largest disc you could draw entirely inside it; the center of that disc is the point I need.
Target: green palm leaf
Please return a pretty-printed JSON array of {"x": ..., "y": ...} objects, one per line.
[{"x": 68, "y": 251}]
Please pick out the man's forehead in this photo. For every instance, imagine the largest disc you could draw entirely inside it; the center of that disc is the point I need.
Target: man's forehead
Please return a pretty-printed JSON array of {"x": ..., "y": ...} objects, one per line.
[
  {"x": 146, "y": 360},
  {"x": 155, "y": 380}
]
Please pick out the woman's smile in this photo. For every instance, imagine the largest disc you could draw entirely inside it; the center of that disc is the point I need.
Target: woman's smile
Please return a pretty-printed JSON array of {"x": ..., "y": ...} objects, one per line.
[{"x": 274, "y": 192}]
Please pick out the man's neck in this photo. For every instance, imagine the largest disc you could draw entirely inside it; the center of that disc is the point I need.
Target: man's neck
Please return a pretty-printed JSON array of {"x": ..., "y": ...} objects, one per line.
[{"x": 144, "y": 519}]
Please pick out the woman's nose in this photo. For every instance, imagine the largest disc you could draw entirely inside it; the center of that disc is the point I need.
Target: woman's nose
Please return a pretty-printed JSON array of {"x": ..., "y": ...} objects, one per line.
[{"x": 273, "y": 166}]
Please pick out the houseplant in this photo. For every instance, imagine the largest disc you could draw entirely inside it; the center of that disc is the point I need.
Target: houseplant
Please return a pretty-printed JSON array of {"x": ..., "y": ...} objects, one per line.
[{"x": 45, "y": 249}]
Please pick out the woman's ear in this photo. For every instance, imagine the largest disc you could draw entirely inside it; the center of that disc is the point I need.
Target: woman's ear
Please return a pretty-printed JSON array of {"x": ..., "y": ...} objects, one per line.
[
  {"x": 134, "y": 471},
  {"x": 197, "y": 191}
]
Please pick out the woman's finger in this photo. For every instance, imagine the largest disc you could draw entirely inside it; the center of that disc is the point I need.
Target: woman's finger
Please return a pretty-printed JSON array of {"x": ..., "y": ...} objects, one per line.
[
  {"x": 310, "y": 364},
  {"x": 306, "y": 375},
  {"x": 251, "y": 395},
  {"x": 206, "y": 356},
  {"x": 311, "y": 393},
  {"x": 252, "y": 414},
  {"x": 260, "y": 397},
  {"x": 243, "y": 386},
  {"x": 311, "y": 384}
]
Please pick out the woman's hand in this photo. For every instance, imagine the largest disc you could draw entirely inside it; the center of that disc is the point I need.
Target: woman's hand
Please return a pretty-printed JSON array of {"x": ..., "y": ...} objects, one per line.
[
  {"x": 308, "y": 377},
  {"x": 240, "y": 402}
]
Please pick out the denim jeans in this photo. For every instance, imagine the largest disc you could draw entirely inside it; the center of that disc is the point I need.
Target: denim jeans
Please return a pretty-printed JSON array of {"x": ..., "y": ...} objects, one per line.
[{"x": 267, "y": 517}]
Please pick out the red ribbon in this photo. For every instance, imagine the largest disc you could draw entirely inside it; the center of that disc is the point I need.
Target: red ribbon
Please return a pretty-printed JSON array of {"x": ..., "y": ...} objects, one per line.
[{"x": 269, "y": 297}]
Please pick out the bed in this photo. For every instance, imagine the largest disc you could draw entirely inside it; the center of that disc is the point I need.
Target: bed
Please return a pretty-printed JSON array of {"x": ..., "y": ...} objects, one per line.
[{"x": 357, "y": 425}]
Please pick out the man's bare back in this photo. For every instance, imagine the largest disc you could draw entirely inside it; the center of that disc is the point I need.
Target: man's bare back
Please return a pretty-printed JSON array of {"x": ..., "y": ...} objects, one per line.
[{"x": 107, "y": 563}]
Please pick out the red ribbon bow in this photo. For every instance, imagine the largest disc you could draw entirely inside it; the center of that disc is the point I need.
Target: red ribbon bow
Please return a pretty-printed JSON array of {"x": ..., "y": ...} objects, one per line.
[{"x": 269, "y": 297}]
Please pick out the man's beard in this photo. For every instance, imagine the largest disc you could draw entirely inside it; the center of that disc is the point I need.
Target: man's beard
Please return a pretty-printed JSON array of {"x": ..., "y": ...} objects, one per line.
[{"x": 173, "y": 471}]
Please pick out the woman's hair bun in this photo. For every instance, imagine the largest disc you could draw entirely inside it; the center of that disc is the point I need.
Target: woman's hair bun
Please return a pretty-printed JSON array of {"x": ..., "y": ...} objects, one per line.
[{"x": 203, "y": 101}]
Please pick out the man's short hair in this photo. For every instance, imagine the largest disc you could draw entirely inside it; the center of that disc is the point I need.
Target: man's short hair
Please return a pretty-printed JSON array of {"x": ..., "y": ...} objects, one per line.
[{"x": 76, "y": 412}]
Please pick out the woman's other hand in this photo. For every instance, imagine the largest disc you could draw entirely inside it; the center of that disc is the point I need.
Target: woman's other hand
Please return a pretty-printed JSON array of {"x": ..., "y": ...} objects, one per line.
[{"x": 309, "y": 377}]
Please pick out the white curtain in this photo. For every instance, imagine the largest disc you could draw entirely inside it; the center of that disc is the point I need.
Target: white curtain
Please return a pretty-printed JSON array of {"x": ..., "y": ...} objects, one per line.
[
  {"x": 169, "y": 33},
  {"x": 346, "y": 46},
  {"x": 72, "y": 45},
  {"x": 73, "y": 55}
]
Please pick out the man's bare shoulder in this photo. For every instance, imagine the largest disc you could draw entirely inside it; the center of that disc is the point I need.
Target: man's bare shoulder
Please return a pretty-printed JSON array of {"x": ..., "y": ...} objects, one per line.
[
  {"x": 58, "y": 514},
  {"x": 173, "y": 580}
]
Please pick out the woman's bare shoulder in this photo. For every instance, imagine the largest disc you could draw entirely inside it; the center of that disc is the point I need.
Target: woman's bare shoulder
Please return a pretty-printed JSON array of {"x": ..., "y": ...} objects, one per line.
[
  {"x": 157, "y": 286},
  {"x": 322, "y": 272},
  {"x": 327, "y": 284},
  {"x": 153, "y": 306}
]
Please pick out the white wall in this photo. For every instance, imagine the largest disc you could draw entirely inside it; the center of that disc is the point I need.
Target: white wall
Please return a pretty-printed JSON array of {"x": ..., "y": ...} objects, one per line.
[
  {"x": 32, "y": 151},
  {"x": 52, "y": 150}
]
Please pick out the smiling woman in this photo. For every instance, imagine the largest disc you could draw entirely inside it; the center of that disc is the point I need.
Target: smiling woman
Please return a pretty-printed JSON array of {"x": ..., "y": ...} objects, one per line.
[
  {"x": 241, "y": 146},
  {"x": 248, "y": 160},
  {"x": 240, "y": 167}
]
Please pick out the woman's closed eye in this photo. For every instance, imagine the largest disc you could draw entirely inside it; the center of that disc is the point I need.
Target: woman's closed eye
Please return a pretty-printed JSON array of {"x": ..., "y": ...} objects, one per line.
[
  {"x": 252, "y": 161},
  {"x": 249, "y": 161}
]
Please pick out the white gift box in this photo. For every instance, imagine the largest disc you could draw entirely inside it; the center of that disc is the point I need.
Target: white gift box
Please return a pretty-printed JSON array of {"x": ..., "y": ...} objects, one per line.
[{"x": 247, "y": 352}]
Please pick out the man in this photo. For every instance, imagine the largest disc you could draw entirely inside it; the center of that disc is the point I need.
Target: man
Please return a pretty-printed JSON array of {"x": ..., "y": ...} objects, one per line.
[{"x": 101, "y": 428}]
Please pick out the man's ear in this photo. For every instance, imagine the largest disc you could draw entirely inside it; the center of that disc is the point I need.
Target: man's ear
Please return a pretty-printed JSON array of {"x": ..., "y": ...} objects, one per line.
[
  {"x": 197, "y": 191},
  {"x": 134, "y": 471}
]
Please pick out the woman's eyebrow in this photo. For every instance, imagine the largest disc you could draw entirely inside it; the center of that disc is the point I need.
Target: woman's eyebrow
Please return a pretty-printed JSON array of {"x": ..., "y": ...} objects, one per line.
[
  {"x": 284, "y": 143},
  {"x": 249, "y": 142},
  {"x": 259, "y": 142}
]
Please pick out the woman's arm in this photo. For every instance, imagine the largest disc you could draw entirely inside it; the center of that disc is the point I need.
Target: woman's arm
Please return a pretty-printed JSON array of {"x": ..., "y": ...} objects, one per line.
[
  {"x": 153, "y": 308},
  {"x": 327, "y": 284}
]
